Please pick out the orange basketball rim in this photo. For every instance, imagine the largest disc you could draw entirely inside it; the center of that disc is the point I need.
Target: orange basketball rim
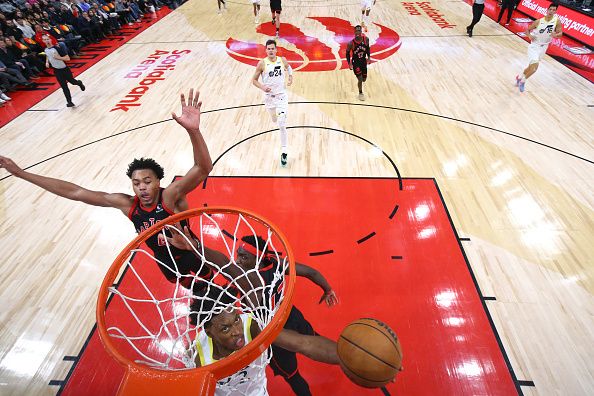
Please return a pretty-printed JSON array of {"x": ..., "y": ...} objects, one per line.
[{"x": 147, "y": 381}]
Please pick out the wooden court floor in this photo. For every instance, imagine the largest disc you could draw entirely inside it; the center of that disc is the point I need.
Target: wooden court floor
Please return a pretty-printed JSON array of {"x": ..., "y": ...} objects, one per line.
[{"x": 516, "y": 170}]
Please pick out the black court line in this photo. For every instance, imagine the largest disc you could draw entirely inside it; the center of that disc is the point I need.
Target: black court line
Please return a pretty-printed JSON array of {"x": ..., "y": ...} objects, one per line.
[
  {"x": 56, "y": 383},
  {"x": 313, "y": 102},
  {"x": 70, "y": 358},
  {"x": 526, "y": 383},
  {"x": 393, "y": 212},
  {"x": 465, "y": 239},
  {"x": 480, "y": 294},
  {"x": 385, "y": 391},
  {"x": 365, "y": 238},
  {"x": 228, "y": 235},
  {"x": 485, "y": 298},
  {"x": 44, "y": 110},
  {"x": 590, "y": 105},
  {"x": 321, "y": 253},
  {"x": 396, "y": 257},
  {"x": 400, "y": 186},
  {"x": 451, "y": 119}
]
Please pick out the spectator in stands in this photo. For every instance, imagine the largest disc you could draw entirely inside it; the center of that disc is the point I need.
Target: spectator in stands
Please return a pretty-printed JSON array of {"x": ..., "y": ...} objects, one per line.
[
  {"x": 114, "y": 25},
  {"x": 24, "y": 27},
  {"x": 21, "y": 51},
  {"x": 13, "y": 75},
  {"x": 13, "y": 31},
  {"x": 84, "y": 26},
  {"x": 12, "y": 62},
  {"x": 7, "y": 8}
]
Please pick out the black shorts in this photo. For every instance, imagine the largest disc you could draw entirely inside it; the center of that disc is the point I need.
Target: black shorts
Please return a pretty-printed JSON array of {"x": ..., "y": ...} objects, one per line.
[
  {"x": 276, "y": 6},
  {"x": 360, "y": 69},
  {"x": 285, "y": 362}
]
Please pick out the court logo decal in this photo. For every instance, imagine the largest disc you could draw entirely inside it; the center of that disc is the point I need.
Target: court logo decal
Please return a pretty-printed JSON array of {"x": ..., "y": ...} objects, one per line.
[
  {"x": 311, "y": 53},
  {"x": 433, "y": 13},
  {"x": 152, "y": 70}
]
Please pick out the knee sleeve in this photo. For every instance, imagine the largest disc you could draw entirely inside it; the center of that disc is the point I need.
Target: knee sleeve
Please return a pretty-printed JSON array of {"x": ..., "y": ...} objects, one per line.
[{"x": 281, "y": 115}]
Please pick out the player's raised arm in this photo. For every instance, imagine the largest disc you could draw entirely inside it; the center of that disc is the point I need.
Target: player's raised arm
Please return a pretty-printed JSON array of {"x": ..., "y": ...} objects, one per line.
[
  {"x": 190, "y": 120},
  {"x": 69, "y": 190},
  {"x": 318, "y": 348}
]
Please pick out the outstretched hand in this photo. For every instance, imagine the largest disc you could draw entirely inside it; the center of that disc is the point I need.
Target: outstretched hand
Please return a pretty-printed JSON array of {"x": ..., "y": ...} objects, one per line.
[
  {"x": 179, "y": 241},
  {"x": 9, "y": 165},
  {"x": 190, "y": 115},
  {"x": 330, "y": 298}
]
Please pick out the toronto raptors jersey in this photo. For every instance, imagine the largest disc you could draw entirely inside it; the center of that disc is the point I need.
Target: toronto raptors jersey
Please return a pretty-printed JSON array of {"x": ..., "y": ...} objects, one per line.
[
  {"x": 250, "y": 381},
  {"x": 543, "y": 34},
  {"x": 274, "y": 76},
  {"x": 144, "y": 218},
  {"x": 359, "y": 50}
]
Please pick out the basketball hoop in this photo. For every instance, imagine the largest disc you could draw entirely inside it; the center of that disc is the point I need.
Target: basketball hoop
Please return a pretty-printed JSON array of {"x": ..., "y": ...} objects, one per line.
[{"x": 146, "y": 328}]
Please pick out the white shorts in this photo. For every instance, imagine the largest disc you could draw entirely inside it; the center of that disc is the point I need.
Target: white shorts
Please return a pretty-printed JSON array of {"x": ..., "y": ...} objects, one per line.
[
  {"x": 536, "y": 52},
  {"x": 366, "y": 4},
  {"x": 256, "y": 2},
  {"x": 280, "y": 102}
]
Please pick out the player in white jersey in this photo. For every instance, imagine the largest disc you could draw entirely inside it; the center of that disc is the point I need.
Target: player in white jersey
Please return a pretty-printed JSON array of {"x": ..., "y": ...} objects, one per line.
[
  {"x": 228, "y": 331},
  {"x": 541, "y": 32},
  {"x": 365, "y": 10},
  {"x": 256, "y": 4},
  {"x": 273, "y": 69}
]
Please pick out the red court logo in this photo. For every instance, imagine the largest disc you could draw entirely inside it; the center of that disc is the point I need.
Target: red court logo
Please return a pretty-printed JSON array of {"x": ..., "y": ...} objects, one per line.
[{"x": 312, "y": 54}]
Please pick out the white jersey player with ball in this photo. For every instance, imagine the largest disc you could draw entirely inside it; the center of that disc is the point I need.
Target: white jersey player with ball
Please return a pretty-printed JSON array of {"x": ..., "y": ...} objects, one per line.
[{"x": 273, "y": 69}]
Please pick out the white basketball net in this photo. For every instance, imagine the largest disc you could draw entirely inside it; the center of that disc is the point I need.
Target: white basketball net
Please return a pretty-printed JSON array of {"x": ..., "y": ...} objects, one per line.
[{"x": 154, "y": 328}]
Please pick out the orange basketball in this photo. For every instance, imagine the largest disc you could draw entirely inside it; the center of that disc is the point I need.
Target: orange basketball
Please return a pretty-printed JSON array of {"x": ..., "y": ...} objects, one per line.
[{"x": 369, "y": 352}]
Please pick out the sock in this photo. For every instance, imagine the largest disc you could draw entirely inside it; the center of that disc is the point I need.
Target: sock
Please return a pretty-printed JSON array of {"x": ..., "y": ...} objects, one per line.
[{"x": 284, "y": 139}]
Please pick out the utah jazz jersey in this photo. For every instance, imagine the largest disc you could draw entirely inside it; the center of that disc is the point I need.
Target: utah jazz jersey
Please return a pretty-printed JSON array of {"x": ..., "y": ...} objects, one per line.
[
  {"x": 274, "y": 76},
  {"x": 543, "y": 34},
  {"x": 251, "y": 380}
]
